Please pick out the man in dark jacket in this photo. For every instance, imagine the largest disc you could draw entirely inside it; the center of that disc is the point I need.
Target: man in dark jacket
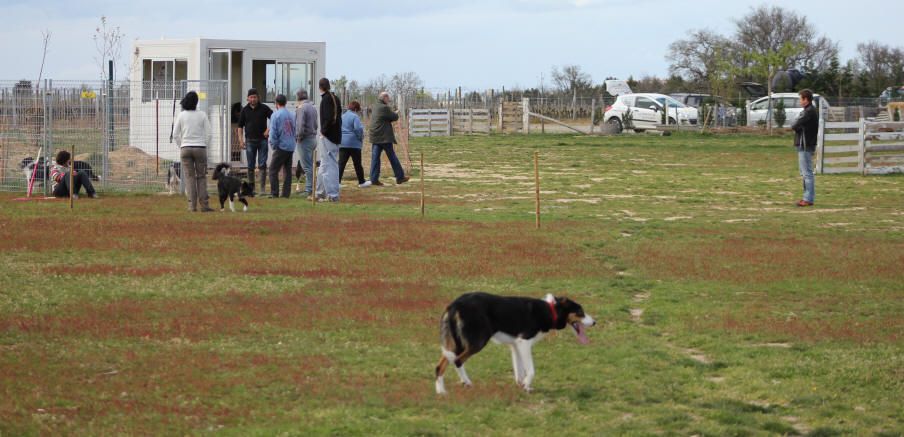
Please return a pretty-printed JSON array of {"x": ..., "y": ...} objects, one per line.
[
  {"x": 327, "y": 189},
  {"x": 382, "y": 138},
  {"x": 805, "y": 130}
]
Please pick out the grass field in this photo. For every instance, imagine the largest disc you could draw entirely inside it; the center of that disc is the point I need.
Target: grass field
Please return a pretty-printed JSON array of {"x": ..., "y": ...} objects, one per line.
[{"x": 722, "y": 309}]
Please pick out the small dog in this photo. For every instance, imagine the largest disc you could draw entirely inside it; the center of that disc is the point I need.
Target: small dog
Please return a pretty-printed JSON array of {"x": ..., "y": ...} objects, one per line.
[
  {"x": 299, "y": 172},
  {"x": 174, "y": 178},
  {"x": 474, "y": 319},
  {"x": 230, "y": 186}
]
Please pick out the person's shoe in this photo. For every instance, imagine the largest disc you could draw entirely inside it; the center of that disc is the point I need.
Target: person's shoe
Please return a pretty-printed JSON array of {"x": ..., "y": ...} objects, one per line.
[
  {"x": 94, "y": 196},
  {"x": 340, "y": 186},
  {"x": 803, "y": 203},
  {"x": 377, "y": 183},
  {"x": 206, "y": 209},
  {"x": 271, "y": 196},
  {"x": 75, "y": 196},
  {"x": 364, "y": 184},
  {"x": 403, "y": 180},
  {"x": 328, "y": 199}
]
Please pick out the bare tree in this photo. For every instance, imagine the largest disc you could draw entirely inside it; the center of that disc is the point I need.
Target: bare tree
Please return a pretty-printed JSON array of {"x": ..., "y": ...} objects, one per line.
[
  {"x": 695, "y": 58},
  {"x": 571, "y": 78},
  {"x": 882, "y": 65},
  {"x": 45, "y": 38},
  {"x": 405, "y": 84},
  {"x": 377, "y": 85},
  {"x": 767, "y": 30},
  {"x": 108, "y": 42}
]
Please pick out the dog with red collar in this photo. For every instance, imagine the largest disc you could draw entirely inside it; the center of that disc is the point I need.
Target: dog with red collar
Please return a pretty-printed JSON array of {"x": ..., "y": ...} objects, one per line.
[{"x": 472, "y": 320}]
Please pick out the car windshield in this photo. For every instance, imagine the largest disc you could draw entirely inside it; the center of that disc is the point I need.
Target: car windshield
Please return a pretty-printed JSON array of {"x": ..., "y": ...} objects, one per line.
[{"x": 672, "y": 102}]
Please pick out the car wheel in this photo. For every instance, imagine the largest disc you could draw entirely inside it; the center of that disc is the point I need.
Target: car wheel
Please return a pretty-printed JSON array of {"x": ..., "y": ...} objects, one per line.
[{"x": 615, "y": 124}]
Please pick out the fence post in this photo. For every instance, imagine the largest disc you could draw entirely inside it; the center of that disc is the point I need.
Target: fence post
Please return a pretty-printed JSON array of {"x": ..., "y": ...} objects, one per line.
[
  {"x": 450, "y": 115},
  {"x": 500, "y": 119},
  {"x": 525, "y": 115},
  {"x": 861, "y": 165},
  {"x": 592, "y": 114},
  {"x": 820, "y": 144}
]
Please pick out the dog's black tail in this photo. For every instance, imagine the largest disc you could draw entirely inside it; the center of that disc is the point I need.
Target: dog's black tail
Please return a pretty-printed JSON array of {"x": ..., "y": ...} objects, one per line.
[{"x": 219, "y": 171}]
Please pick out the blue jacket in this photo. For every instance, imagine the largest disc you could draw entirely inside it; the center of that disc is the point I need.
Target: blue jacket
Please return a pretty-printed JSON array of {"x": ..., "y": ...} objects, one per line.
[
  {"x": 282, "y": 130},
  {"x": 352, "y": 131}
]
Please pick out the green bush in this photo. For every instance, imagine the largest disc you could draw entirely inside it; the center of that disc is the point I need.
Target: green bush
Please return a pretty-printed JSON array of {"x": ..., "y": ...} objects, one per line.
[
  {"x": 897, "y": 116},
  {"x": 780, "y": 116},
  {"x": 627, "y": 120}
]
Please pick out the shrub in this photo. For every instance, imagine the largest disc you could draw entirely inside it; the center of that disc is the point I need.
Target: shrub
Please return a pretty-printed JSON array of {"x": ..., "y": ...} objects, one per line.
[
  {"x": 627, "y": 120},
  {"x": 780, "y": 116},
  {"x": 897, "y": 116}
]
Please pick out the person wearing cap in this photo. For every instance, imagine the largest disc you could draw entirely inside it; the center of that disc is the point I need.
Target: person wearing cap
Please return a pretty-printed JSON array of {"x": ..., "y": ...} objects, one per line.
[
  {"x": 383, "y": 138},
  {"x": 306, "y": 138},
  {"x": 253, "y": 132}
]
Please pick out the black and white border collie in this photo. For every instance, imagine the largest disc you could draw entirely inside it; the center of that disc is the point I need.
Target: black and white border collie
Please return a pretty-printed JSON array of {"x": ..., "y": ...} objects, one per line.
[
  {"x": 230, "y": 186},
  {"x": 474, "y": 319}
]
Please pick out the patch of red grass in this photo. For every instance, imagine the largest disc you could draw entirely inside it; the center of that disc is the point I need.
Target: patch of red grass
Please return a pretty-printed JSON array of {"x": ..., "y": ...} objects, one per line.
[
  {"x": 758, "y": 257},
  {"x": 883, "y": 329}
]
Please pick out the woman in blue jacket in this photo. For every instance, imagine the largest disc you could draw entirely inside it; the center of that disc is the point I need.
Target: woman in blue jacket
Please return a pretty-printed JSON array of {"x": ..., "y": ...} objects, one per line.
[{"x": 352, "y": 137}]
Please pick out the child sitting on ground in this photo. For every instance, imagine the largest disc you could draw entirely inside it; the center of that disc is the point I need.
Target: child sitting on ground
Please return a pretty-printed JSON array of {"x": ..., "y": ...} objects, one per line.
[{"x": 59, "y": 177}]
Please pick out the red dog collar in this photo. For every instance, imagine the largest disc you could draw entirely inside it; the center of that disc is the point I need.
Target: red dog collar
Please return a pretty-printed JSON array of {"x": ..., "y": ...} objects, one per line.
[{"x": 552, "y": 306}]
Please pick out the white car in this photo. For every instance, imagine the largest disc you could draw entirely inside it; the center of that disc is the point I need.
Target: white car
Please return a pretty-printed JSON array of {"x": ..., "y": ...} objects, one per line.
[
  {"x": 646, "y": 111},
  {"x": 758, "y": 110}
]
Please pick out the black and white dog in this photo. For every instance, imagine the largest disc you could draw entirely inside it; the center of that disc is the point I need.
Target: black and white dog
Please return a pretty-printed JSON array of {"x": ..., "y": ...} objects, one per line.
[
  {"x": 230, "y": 186},
  {"x": 174, "y": 178},
  {"x": 28, "y": 167},
  {"x": 474, "y": 319},
  {"x": 299, "y": 172}
]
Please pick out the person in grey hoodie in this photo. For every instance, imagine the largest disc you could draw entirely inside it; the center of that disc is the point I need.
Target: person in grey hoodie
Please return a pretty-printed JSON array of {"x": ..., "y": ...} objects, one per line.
[{"x": 306, "y": 138}]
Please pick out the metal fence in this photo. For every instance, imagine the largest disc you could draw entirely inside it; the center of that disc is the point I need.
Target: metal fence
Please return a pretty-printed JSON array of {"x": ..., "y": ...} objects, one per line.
[{"x": 121, "y": 130}]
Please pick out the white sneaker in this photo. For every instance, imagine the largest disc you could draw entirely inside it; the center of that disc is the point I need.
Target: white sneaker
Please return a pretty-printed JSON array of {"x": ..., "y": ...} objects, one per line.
[
  {"x": 340, "y": 185},
  {"x": 365, "y": 184}
]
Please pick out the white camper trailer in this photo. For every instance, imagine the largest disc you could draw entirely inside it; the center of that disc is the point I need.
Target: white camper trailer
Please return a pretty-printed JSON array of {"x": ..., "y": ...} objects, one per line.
[{"x": 221, "y": 71}]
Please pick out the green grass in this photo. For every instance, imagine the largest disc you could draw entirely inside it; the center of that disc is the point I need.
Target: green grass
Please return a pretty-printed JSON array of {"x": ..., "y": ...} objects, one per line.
[{"x": 722, "y": 309}]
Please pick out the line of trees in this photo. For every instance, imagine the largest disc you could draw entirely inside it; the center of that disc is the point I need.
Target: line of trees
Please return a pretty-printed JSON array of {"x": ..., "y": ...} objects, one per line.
[{"x": 771, "y": 39}]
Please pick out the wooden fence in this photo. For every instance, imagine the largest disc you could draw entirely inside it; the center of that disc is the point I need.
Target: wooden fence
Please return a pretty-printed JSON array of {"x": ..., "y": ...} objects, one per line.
[
  {"x": 860, "y": 147},
  {"x": 429, "y": 122},
  {"x": 471, "y": 121}
]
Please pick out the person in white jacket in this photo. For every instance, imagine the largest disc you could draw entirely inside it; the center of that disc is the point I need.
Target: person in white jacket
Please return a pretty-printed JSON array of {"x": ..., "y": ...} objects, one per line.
[{"x": 192, "y": 134}]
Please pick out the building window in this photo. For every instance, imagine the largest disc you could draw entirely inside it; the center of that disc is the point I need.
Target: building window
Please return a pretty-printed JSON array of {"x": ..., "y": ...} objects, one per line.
[{"x": 162, "y": 79}]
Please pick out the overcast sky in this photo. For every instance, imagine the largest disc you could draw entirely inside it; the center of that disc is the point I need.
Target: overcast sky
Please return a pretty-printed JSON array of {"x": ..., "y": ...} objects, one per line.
[{"x": 476, "y": 44}]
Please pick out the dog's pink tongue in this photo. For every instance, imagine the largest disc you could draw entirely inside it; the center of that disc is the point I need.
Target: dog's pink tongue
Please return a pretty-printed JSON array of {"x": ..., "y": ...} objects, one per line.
[{"x": 581, "y": 336}]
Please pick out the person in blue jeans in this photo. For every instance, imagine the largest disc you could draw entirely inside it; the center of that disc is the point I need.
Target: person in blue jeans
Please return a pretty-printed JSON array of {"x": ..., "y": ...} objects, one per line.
[
  {"x": 805, "y": 130},
  {"x": 383, "y": 138},
  {"x": 306, "y": 138},
  {"x": 352, "y": 137},
  {"x": 282, "y": 141},
  {"x": 252, "y": 133}
]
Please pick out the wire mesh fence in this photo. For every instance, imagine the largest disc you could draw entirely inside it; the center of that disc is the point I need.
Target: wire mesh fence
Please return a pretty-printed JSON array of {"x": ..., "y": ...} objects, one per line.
[{"x": 119, "y": 130}]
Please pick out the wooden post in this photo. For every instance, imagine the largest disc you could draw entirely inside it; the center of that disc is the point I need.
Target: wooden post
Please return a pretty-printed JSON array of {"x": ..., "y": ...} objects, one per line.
[
  {"x": 71, "y": 177},
  {"x": 537, "y": 184},
  {"x": 157, "y": 131},
  {"x": 861, "y": 165},
  {"x": 500, "y": 118},
  {"x": 820, "y": 144},
  {"x": 422, "y": 185},
  {"x": 450, "y": 115},
  {"x": 314, "y": 179},
  {"x": 525, "y": 115},
  {"x": 592, "y": 114}
]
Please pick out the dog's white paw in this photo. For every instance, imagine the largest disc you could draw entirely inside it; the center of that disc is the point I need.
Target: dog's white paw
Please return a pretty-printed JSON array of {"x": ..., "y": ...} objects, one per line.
[{"x": 244, "y": 209}]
